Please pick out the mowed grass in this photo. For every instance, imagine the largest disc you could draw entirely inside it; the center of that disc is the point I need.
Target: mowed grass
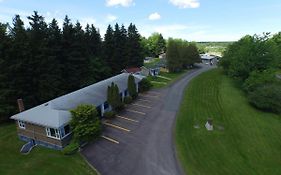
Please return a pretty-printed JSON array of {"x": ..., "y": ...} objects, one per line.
[
  {"x": 40, "y": 161},
  {"x": 164, "y": 82},
  {"x": 249, "y": 144}
]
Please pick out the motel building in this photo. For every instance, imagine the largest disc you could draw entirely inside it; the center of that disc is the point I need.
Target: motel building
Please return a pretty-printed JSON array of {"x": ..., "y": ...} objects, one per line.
[{"x": 48, "y": 124}]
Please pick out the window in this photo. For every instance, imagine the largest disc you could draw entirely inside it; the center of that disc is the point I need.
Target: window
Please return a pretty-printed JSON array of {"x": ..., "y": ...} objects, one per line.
[
  {"x": 53, "y": 133},
  {"x": 21, "y": 124},
  {"x": 66, "y": 129},
  {"x": 106, "y": 105}
]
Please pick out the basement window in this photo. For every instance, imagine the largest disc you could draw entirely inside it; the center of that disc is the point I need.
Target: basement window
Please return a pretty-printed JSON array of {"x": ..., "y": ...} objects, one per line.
[
  {"x": 53, "y": 133},
  {"x": 21, "y": 124}
]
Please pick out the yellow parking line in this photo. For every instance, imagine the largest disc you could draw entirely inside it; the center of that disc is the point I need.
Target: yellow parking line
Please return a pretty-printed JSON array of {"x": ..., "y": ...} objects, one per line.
[
  {"x": 117, "y": 127},
  {"x": 142, "y": 113},
  {"x": 155, "y": 96},
  {"x": 110, "y": 139},
  {"x": 144, "y": 106},
  {"x": 125, "y": 118},
  {"x": 143, "y": 100}
]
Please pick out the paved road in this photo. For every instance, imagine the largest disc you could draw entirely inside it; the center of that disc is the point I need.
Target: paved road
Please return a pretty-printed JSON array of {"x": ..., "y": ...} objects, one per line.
[{"x": 148, "y": 149}]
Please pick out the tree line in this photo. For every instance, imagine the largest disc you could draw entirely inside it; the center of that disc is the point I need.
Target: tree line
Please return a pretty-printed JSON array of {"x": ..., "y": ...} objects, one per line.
[
  {"x": 43, "y": 61},
  {"x": 181, "y": 54},
  {"x": 255, "y": 62}
]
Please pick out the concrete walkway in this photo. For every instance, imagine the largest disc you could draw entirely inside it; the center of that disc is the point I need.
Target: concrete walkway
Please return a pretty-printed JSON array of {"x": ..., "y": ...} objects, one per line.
[{"x": 148, "y": 147}]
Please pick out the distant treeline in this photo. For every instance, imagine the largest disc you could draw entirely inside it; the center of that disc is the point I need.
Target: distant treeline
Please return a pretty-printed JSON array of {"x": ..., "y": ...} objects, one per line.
[
  {"x": 255, "y": 61},
  {"x": 213, "y": 47},
  {"x": 42, "y": 61}
]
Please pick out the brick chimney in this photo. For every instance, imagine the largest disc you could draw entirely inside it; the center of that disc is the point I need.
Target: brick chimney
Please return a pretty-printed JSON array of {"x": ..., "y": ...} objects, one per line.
[{"x": 20, "y": 105}]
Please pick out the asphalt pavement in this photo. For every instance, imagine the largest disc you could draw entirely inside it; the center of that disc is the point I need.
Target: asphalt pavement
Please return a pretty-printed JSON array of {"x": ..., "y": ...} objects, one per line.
[{"x": 144, "y": 142}]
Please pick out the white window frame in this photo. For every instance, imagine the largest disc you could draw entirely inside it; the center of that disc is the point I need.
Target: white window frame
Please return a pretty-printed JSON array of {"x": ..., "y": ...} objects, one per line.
[
  {"x": 57, "y": 133},
  {"x": 21, "y": 124}
]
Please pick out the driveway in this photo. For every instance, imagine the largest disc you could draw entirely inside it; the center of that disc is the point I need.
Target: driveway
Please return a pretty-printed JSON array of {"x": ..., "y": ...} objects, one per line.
[{"x": 144, "y": 143}]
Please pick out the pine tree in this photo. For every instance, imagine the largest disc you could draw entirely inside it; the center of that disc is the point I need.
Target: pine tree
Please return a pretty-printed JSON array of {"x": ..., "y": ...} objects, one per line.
[
  {"x": 18, "y": 80},
  {"x": 108, "y": 47},
  {"x": 53, "y": 78},
  {"x": 134, "y": 49},
  {"x": 6, "y": 105},
  {"x": 117, "y": 51}
]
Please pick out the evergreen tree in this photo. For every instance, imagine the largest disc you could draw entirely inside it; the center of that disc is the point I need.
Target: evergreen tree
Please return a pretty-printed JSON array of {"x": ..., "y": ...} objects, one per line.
[
  {"x": 132, "y": 89},
  {"x": 113, "y": 97},
  {"x": 92, "y": 41},
  {"x": 51, "y": 80},
  {"x": 108, "y": 47},
  {"x": 117, "y": 65},
  {"x": 6, "y": 105},
  {"x": 134, "y": 49},
  {"x": 17, "y": 81},
  {"x": 123, "y": 49},
  {"x": 44, "y": 58}
]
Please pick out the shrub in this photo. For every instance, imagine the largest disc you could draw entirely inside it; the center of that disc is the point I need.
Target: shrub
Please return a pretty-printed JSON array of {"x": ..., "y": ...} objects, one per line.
[
  {"x": 128, "y": 100},
  {"x": 70, "y": 149},
  {"x": 113, "y": 97},
  {"x": 85, "y": 123},
  {"x": 144, "y": 85},
  {"x": 132, "y": 87},
  {"x": 267, "y": 97},
  {"x": 257, "y": 79},
  {"x": 109, "y": 114},
  {"x": 120, "y": 107}
]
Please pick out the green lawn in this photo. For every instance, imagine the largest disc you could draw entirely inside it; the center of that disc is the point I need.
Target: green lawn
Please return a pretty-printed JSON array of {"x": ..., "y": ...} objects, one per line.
[
  {"x": 172, "y": 76},
  {"x": 249, "y": 144},
  {"x": 152, "y": 63},
  {"x": 39, "y": 161}
]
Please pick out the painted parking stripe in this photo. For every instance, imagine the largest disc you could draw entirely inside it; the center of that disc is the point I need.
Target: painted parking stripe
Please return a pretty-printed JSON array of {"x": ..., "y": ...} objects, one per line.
[
  {"x": 117, "y": 127},
  {"x": 138, "y": 112},
  {"x": 144, "y": 106},
  {"x": 125, "y": 118},
  {"x": 140, "y": 99},
  {"x": 110, "y": 139},
  {"x": 142, "y": 95}
]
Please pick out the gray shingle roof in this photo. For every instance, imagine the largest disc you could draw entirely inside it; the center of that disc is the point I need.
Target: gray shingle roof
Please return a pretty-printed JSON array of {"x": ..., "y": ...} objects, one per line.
[{"x": 55, "y": 113}]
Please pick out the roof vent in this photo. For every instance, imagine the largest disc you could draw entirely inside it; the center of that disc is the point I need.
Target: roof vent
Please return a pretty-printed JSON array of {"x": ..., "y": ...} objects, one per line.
[{"x": 46, "y": 104}]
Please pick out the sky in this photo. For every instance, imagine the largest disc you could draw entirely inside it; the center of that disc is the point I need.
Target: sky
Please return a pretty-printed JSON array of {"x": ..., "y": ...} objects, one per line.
[{"x": 192, "y": 20}]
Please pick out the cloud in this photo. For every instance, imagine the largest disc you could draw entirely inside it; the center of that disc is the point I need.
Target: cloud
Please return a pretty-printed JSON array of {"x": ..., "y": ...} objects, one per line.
[
  {"x": 154, "y": 16},
  {"x": 124, "y": 3},
  {"x": 110, "y": 18},
  {"x": 186, "y": 3}
]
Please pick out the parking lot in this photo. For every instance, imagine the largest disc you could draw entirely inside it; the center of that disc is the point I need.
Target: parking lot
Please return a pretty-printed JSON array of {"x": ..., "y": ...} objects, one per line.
[
  {"x": 122, "y": 131},
  {"x": 118, "y": 129}
]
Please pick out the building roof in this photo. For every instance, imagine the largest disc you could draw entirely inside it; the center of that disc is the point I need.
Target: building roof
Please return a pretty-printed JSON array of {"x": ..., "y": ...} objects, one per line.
[
  {"x": 207, "y": 56},
  {"x": 132, "y": 70},
  {"x": 55, "y": 113}
]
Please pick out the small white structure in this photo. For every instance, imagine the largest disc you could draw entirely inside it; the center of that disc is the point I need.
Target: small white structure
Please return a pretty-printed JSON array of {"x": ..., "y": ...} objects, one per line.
[
  {"x": 209, "y": 59},
  {"x": 209, "y": 125}
]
